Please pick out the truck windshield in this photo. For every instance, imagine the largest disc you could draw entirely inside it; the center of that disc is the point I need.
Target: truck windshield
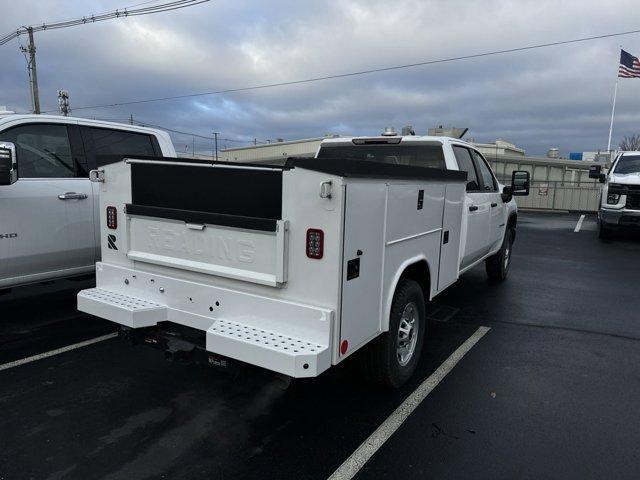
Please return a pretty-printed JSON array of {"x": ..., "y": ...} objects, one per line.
[
  {"x": 430, "y": 156},
  {"x": 628, "y": 164}
]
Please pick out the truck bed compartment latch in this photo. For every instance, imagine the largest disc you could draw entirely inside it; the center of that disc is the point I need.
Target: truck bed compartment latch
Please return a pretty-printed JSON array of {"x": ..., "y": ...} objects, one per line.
[{"x": 325, "y": 189}]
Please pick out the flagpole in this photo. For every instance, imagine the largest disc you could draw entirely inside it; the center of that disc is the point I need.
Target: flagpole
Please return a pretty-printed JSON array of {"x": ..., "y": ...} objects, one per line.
[
  {"x": 613, "y": 111},
  {"x": 613, "y": 108}
]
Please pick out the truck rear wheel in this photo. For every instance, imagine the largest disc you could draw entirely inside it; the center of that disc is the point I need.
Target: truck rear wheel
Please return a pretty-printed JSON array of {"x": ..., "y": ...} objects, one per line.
[
  {"x": 497, "y": 265},
  {"x": 392, "y": 358}
]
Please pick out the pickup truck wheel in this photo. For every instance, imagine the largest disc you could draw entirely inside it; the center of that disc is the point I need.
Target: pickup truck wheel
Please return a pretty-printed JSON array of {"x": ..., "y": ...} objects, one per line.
[
  {"x": 603, "y": 232},
  {"x": 392, "y": 358},
  {"x": 497, "y": 265}
]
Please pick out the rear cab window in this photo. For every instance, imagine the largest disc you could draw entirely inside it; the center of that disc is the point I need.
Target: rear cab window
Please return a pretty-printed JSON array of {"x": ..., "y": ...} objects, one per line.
[
  {"x": 429, "y": 155},
  {"x": 105, "y": 144}
]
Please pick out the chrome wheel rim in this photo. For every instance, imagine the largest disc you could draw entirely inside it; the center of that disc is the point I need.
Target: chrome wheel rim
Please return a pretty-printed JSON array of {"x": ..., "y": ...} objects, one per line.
[{"x": 407, "y": 334}]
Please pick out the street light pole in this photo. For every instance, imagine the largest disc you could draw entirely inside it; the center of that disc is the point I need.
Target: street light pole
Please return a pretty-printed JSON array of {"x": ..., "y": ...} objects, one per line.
[{"x": 215, "y": 136}]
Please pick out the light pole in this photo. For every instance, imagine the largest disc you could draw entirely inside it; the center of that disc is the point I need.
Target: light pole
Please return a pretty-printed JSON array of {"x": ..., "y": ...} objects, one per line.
[{"x": 215, "y": 137}]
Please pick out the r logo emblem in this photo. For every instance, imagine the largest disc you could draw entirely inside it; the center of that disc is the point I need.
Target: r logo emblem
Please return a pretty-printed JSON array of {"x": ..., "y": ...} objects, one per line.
[{"x": 111, "y": 241}]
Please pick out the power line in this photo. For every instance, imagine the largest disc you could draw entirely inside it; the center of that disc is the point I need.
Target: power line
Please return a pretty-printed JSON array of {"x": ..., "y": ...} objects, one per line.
[
  {"x": 364, "y": 72},
  {"x": 179, "y": 132},
  {"x": 146, "y": 124},
  {"x": 119, "y": 13}
]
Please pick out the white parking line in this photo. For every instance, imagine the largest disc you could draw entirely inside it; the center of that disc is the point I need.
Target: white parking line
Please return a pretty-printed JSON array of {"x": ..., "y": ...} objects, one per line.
[
  {"x": 365, "y": 451},
  {"x": 579, "y": 224},
  {"x": 57, "y": 351}
]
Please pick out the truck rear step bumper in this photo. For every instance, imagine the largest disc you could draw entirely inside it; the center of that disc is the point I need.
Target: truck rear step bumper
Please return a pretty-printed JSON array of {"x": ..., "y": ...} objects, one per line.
[
  {"x": 278, "y": 352},
  {"x": 278, "y": 335},
  {"x": 126, "y": 310}
]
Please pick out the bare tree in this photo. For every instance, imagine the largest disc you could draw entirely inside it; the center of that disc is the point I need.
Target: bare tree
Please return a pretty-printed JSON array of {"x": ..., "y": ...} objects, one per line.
[{"x": 631, "y": 143}]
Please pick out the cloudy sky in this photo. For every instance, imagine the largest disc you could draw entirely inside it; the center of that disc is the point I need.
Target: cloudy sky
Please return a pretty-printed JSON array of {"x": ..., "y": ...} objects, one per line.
[{"x": 551, "y": 97}]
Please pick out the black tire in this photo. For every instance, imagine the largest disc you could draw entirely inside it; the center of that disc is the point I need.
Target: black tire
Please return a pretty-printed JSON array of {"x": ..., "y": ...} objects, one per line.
[
  {"x": 381, "y": 361},
  {"x": 604, "y": 233},
  {"x": 497, "y": 265}
]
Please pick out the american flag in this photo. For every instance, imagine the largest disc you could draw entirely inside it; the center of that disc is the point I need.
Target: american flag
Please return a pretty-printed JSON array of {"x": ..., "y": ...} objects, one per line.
[{"x": 629, "y": 66}]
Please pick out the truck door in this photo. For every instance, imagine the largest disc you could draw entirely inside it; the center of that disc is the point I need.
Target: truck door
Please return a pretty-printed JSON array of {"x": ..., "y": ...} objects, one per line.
[
  {"x": 476, "y": 211},
  {"x": 490, "y": 188},
  {"x": 49, "y": 210}
]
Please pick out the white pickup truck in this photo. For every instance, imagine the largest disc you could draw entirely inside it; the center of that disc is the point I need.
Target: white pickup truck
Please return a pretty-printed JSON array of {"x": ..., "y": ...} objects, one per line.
[
  {"x": 49, "y": 221},
  {"x": 620, "y": 197},
  {"x": 294, "y": 268}
]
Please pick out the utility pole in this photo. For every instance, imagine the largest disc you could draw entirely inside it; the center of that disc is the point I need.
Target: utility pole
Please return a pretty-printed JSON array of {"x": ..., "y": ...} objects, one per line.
[
  {"x": 30, "y": 49},
  {"x": 215, "y": 136}
]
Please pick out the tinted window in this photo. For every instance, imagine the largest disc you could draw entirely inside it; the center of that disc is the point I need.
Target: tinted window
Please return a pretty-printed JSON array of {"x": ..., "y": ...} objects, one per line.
[
  {"x": 118, "y": 142},
  {"x": 485, "y": 174},
  {"x": 628, "y": 164},
  {"x": 430, "y": 156},
  {"x": 465, "y": 164},
  {"x": 42, "y": 151}
]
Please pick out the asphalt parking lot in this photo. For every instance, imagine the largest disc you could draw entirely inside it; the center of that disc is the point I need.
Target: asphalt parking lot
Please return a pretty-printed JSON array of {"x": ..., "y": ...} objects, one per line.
[{"x": 550, "y": 391}]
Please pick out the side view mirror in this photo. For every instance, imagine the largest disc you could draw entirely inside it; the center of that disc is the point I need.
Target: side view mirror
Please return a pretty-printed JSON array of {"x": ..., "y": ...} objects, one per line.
[
  {"x": 8, "y": 166},
  {"x": 595, "y": 171},
  {"x": 520, "y": 183}
]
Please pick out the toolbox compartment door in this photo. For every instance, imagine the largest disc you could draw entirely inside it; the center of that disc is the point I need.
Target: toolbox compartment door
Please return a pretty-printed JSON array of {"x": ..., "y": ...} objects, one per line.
[
  {"x": 364, "y": 224},
  {"x": 211, "y": 218},
  {"x": 251, "y": 255}
]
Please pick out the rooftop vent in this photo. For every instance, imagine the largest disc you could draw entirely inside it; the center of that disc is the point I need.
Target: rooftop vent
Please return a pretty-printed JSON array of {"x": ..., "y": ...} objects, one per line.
[{"x": 389, "y": 132}]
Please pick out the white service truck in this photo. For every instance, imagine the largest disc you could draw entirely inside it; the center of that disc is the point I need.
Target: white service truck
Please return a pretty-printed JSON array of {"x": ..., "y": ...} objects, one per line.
[
  {"x": 620, "y": 195},
  {"x": 296, "y": 267},
  {"x": 49, "y": 221}
]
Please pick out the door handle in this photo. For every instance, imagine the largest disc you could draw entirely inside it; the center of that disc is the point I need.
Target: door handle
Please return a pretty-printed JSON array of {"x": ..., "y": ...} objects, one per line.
[
  {"x": 72, "y": 196},
  {"x": 473, "y": 208},
  {"x": 494, "y": 205}
]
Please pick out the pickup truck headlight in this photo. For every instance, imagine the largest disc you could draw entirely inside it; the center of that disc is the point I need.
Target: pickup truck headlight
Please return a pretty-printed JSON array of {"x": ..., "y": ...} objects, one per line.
[{"x": 613, "y": 198}]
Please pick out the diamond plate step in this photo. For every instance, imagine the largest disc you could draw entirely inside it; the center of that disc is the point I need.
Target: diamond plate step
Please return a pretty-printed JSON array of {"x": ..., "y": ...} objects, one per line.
[
  {"x": 276, "y": 351},
  {"x": 127, "y": 310}
]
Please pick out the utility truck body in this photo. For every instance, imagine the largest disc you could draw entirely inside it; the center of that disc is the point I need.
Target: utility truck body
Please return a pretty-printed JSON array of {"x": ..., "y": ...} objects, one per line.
[{"x": 292, "y": 268}]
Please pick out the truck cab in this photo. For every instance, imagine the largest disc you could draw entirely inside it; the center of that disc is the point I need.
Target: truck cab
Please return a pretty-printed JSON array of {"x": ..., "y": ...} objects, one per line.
[
  {"x": 620, "y": 197},
  {"x": 48, "y": 207}
]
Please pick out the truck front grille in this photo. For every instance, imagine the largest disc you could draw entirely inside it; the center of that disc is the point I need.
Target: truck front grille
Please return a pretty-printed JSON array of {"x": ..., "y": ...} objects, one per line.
[{"x": 633, "y": 201}]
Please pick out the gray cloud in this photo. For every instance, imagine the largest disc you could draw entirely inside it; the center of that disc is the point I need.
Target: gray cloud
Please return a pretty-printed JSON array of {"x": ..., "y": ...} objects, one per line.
[{"x": 559, "y": 96}]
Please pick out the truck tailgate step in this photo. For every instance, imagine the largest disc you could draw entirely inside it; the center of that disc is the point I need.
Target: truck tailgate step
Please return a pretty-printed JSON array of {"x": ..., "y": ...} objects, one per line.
[
  {"x": 289, "y": 355},
  {"x": 124, "y": 309}
]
